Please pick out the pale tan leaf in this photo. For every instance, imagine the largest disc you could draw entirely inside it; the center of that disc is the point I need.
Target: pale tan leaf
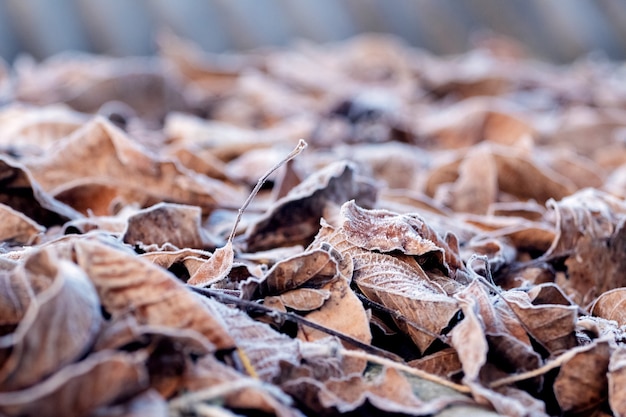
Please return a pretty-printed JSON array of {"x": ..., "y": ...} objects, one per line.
[
  {"x": 80, "y": 388},
  {"x": 380, "y": 230},
  {"x": 58, "y": 327},
  {"x": 30, "y": 130},
  {"x": 216, "y": 268},
  {"x": 610, "y": 305},
  {"x": 18, "y": 229},
  {"x": 304, "y": 299},
  {"x": 477, "y": 186},
  {"x": 342, "y": 312},
  {"x": 176, "y": 224},
  {"x": 468, "y": 339},
  {"x": 131, "y": 286},
  {"x": 101, "y": 154}
]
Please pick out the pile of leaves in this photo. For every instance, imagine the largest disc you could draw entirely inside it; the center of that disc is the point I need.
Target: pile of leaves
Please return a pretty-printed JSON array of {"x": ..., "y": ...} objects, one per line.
[{"x": 452, "y": 240}]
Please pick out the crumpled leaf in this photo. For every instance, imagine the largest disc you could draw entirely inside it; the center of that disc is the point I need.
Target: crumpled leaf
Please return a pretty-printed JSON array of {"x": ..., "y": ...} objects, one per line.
[
  {"x": 551, "y": 325},
  {"x": 77, "y": 389},
  {"x": 29, "y": 130},
  {"x": 399, "y": 283},
  {"x": 581, "y": 385},
  {"x": 382, "y": 231},
  {"x": 123, "y": 280},
  {"x": 18, "y": 229},
  {"x": 102, "y": 156},
  {"x": 591, "y": 235},
  {"x": 167, "y": 223},
  {"x": 342, "y": 312},
  {"x": 610, "y": 306},
  {"x": 312, "y": 268},
  {"x": 23, "y": 193},
  {"x": 58, "y": 326},
  {"x": 295, "y": 218},
  {"x": 616, "y": 375}
]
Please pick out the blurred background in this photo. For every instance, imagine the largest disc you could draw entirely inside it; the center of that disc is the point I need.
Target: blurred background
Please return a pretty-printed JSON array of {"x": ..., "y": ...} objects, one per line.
[{"x": 559, "y": 31}]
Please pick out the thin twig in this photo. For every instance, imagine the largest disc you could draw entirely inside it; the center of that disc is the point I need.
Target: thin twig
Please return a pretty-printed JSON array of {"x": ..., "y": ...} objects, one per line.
[
  {"x": 407, "y": 369},
  {"x": 297, "y": 150},
  {"x": 559, "y": 361},
  {"x": 288, "y": 316}
]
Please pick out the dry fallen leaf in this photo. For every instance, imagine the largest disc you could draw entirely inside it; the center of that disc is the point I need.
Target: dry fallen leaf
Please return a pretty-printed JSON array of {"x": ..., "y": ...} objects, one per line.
[{"x": 450, "y": 244}]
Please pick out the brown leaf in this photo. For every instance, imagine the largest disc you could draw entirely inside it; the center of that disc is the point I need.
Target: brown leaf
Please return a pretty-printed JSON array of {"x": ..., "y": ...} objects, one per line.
[
  {"x": 304, "y": 299},
  {"x": 380, "y": 230},
  {"x": 592, "y": 235},
  {"x": 610, "y": 306},
  {"x": 28, "y": 130},
  {"x": 176, "y": 224},
  {"x": 312, "y": 268},
  {"x": 398, "y": 283},
  {"x": 581, "y": 384},
  {"x": 216, "y": 268},
  {"x": 123, "y": 280},
  {"x": 617, "y": 381},
  {"x": 264, "y": 347},
  {"x": 477, "y": 186},
  {"x": 401, "y": 285},
  {"x": 295, "y": 218},
  {"x": 17, "y": 229},
  {"x": 22, "y": 193},
  {"x": 101, "y": 155},
  {"x": 80, "y": 388},
  {"x": 551, "y": 325},
  {"x": 342, "y": 312},
  {"x": 388, "y": 391},
  {"x": 58, "y": 327},
  {"x": 211, "y": 381},
  {"x": 444, "y": 363}
]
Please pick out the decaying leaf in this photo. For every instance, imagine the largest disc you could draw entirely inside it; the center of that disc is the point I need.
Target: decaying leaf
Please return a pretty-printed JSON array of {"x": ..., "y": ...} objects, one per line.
[
  {"x": 22, "y": 192},
  {"x": 581, "y": 384},
  {"x": 17, "y": 229},
  {"x": 174, "y": 224},
  {"x": 101, "y": 155},
  {"x": 80, "y": 388},
  {"x": 124, "y": 281},
  {"x": 610, "y": 306},
  {"x": 439, "y": 250},
  {"x": 295, "y": 218},
  {"x": 616, "y": 376},
  {"x": 58, "y": 326}
]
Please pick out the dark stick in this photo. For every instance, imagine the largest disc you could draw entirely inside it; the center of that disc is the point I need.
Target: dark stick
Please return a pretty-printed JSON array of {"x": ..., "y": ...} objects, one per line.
[{"x": 259, "y": 308}]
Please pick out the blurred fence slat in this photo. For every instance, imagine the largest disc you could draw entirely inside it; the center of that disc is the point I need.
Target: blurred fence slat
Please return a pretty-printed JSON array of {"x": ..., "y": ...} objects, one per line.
[{"x": 553, "y": 29}]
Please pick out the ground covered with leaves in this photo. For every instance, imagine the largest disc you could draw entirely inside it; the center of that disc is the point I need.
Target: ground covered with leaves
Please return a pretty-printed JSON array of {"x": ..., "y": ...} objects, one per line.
[{"x": 451, "y": 241}]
